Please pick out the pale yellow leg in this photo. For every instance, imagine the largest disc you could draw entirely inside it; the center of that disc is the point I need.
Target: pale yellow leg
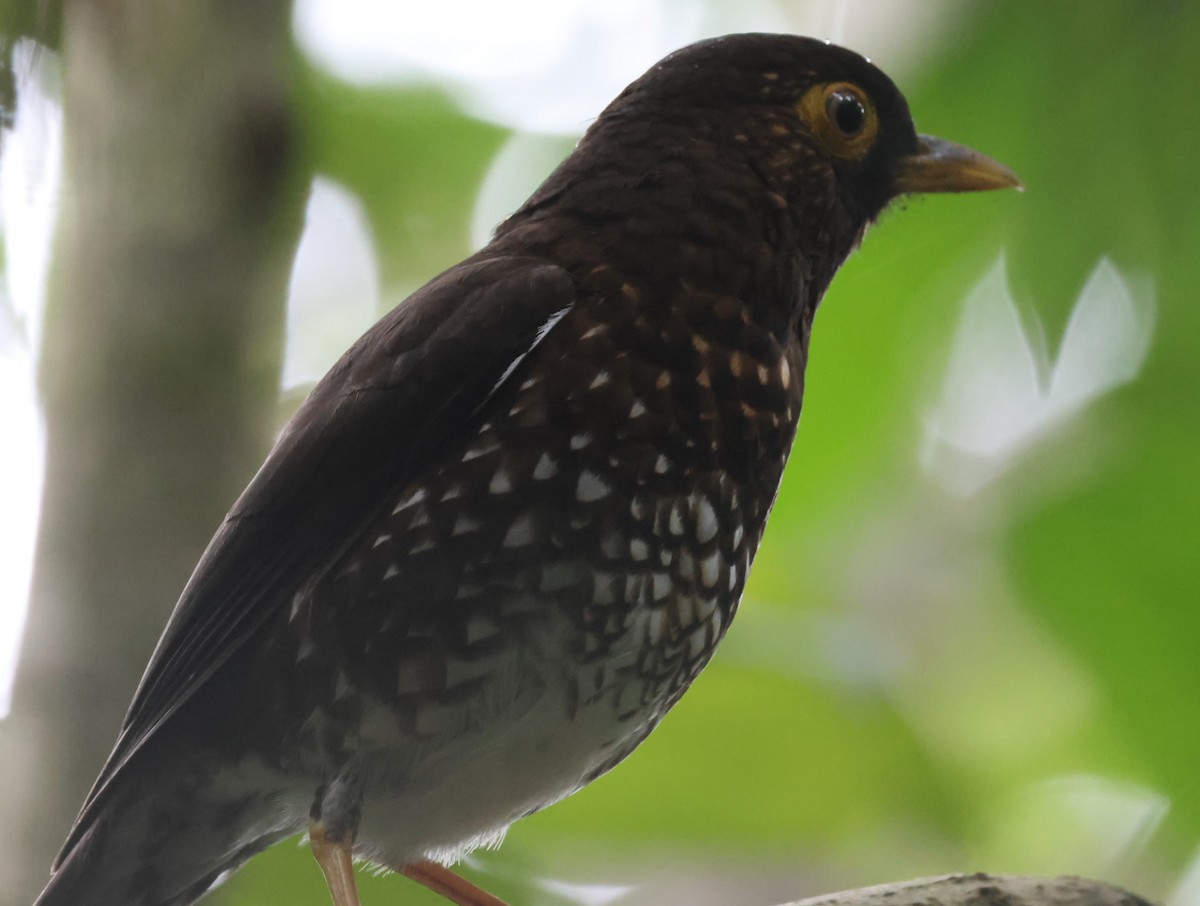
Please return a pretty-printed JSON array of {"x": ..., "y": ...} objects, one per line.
[
  {"x": 457, "y": 890},
  {"x": 336, "y": 864}
]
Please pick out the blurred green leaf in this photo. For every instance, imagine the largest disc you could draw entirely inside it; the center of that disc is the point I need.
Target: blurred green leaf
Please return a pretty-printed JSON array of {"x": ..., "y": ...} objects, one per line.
[{"x": 414, "y": 159}]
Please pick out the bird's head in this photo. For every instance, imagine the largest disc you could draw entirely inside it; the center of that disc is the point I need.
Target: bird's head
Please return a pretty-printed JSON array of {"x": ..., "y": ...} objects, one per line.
[
  {"x": 760, "y": 156},
  {"x": 808, "y": 114}
]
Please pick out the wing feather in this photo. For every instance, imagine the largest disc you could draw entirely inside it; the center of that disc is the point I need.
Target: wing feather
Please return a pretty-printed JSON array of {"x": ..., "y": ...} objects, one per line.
[{"x": 382, "y": 414}]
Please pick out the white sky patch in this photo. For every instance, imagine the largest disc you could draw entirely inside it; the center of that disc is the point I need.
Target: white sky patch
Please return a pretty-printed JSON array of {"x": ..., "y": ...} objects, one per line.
[
  {"x": 22, "y": 468},
  {"x": 30, "y": 182},
  {"x": 333, "y": 296},
  {"x": 553, "y": 65},
  {"x": 30, "y": 179},
  {"x": 572, "y": 56},
  {"x": 1000, "y": 395}
]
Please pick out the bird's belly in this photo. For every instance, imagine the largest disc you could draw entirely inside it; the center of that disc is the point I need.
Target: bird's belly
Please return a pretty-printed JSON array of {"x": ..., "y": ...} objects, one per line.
[{"x": 522, "y": 743}]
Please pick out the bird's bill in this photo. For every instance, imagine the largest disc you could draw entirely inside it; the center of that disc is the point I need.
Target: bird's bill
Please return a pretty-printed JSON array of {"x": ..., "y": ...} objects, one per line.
[{"x": 942, "y": 166}]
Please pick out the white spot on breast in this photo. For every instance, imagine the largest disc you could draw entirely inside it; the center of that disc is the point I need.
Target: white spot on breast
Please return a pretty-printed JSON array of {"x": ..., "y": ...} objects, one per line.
[
  {"x": 638, "y": 508},
  {"x": 638, "y": 549},
  {"x": 590, "y": 487},
  {"x": 638, "y": 408},
  {"x": 480, "y": 449},
  {"x": 297, "y": 603},
  {"x": 422, "y": 546},
  {"x": 697, "y": 643},
  {"x": 685, "y": 610},
  {"x": 612, "y": 545},
  {"x": 599, "y": 380},
  {"x": 655, "y": 623},
  {"x": 415, "y": 496},
  {"x": 785, "y": 372},
  {"x": 706, "y": 518},
  {"x": 545, "y": 468},
  {"x": 581, "y": 440},
  {"x": 501, "y": 482},
  {"x": 593, "y": 332},
  {"x": 675, "y": 520},
  {"x": 391, "y": 572},
  {"x": 382, "y": 539},
  {"x": 520, "y": 533},
  {"x": 528, "y": 383},
  {"x": 686, "y": 563},
  {"x": 634, "y": 582},
  {"x": 465, "y": 523},
  {"x": 660, "y": 586},
  {"x": 455, "y": 490},
  {"x": 710, "y": 569},
  {"x": 733, "y": 576}
]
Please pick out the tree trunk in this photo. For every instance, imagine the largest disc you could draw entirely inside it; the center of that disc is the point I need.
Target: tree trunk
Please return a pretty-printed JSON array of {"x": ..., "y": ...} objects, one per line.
[{"x": 181, "y": 205}]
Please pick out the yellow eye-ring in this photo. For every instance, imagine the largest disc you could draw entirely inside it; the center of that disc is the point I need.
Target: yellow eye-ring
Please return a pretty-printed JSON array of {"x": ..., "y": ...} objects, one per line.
[{"x": 842, "y": 117}]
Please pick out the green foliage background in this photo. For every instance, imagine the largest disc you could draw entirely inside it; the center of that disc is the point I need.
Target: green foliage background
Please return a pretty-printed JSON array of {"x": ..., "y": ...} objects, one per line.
[{"x": 1022, "y": 661}]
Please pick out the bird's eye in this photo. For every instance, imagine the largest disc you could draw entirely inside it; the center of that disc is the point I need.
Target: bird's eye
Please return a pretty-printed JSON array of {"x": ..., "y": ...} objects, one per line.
[
  {"x": 846, "y": 112},
  {"x": 842, "y": 117}
]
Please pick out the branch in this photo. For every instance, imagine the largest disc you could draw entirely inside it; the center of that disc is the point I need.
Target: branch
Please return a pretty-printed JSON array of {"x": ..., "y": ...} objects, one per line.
[{"x": 983, "y": 890}]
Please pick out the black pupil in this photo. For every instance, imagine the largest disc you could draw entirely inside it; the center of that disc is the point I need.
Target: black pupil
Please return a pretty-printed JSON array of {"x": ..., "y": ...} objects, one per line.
[{"x": 846, "y": 111}]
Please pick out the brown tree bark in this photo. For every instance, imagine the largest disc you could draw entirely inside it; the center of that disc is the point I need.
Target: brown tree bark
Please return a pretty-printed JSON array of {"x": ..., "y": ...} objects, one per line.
[{"x": 181, "y": 205}]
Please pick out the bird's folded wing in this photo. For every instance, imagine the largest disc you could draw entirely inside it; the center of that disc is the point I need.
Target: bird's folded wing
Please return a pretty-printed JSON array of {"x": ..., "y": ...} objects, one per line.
[{"x": 385, "y": 412}]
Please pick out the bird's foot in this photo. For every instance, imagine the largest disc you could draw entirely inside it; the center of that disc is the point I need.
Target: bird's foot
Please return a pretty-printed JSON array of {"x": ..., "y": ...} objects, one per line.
[
  {"x": 456, "y": 889},
  {"x": 336, "y": 864}
]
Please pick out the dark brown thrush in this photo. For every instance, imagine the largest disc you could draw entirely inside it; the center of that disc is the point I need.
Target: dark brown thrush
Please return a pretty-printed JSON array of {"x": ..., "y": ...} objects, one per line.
[{"x": 510, "y": 526}]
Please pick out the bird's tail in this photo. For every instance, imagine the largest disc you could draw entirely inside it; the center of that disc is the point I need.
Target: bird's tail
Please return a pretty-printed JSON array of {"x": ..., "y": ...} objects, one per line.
[
  {"x": 166, "y": 841},
  {"x": 90, "y": 875}
]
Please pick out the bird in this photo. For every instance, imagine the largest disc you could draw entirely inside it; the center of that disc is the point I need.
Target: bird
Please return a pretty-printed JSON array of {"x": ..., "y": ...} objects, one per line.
[{"x": 510, "y": 526}]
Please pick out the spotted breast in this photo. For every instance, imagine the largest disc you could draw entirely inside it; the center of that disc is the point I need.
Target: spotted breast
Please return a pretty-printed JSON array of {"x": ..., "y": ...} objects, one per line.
[{"x": 523, "y": 615}]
